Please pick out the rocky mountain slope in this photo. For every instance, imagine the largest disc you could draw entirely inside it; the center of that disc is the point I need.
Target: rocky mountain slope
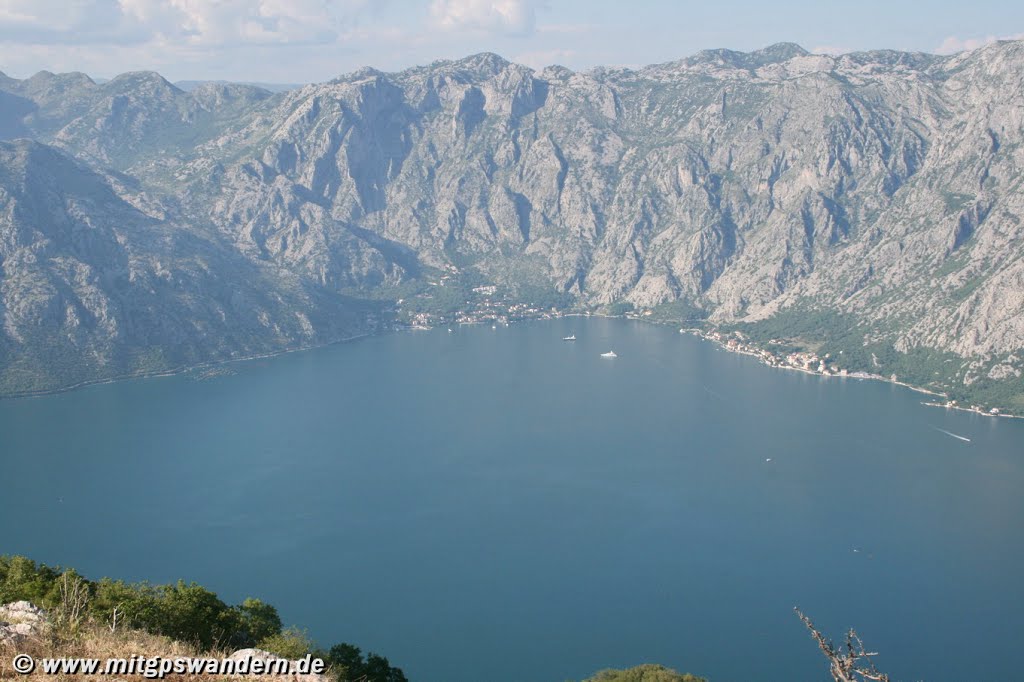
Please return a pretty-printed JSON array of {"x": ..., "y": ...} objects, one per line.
[
  {"x": 92, "y": 287},
  {"x": 875, "y": 197}
]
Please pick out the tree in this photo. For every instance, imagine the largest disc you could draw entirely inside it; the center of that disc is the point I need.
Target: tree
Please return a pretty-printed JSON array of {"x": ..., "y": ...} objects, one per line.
[
  {"x": 378, "y": 669},
  {"x": 347, "y": 661},
  {"x": 852, "y": 665},
  {"x": 191, "y": 613},
  {"x": 73, "y": 594},
  {"x": 258, "y": 621},
  {"x": 292, "y": 643},
  {"x": 22, "y": 579}
]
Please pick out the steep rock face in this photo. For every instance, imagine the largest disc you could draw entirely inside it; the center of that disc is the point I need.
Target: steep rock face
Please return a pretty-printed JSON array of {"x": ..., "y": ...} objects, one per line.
[
  {"x": 944, "y": 256},
  {"x": 91, "y": 287},
  {"x": 883, "y": 186},
  {"x": 724, "y": 179}
]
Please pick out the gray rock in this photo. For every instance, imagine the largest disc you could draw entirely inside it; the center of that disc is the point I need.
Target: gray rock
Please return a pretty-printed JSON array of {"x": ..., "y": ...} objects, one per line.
[
  {"x": 21, "y": 621},
  {"x": 881, "y": 185}
]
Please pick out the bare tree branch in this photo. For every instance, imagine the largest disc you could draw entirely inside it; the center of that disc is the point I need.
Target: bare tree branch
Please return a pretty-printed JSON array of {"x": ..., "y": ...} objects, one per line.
[{"x": 853, "y": 665}]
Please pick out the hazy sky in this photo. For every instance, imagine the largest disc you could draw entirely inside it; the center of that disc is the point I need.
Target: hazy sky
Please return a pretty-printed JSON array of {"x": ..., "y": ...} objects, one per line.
[{"x": 312, "y": 40}]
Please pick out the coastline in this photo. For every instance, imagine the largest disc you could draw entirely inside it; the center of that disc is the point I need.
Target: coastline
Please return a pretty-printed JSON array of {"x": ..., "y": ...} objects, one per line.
[
  {"x": 712, "y": 336},
  {"x": 182, "y": 369},
  {"x": 716, "y": 338},
  {"x": 974, "y": 410}
]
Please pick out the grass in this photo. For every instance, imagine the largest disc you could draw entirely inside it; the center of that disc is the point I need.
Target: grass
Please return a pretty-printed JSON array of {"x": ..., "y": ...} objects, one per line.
[{"x": 96, "y": 640}]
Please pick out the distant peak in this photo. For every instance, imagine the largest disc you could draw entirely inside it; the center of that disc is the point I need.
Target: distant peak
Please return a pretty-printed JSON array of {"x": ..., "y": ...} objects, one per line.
[
  {"x": 484, "y": 60},
  {"x": 49, "y": 79},
  {"x": 482, "y": 65},
  {"x": 366, "y": 72},
  {"x": 780, "y": 52},
  {"x": 139, "y": 75},
  {"x": 143, "y": 77},
  {"x": 773, "y": 54},
  {"x": 556, "y": 72}
]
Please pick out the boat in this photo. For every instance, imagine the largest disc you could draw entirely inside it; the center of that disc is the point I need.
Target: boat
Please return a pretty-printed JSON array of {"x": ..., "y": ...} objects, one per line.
[
  {"x": 569, "y": 338},
  {"x": 609, "y": 354}
]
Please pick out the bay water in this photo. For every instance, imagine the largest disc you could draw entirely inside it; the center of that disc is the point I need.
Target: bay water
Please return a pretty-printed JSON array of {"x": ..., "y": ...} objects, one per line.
[{"x": 502, "y": 505}]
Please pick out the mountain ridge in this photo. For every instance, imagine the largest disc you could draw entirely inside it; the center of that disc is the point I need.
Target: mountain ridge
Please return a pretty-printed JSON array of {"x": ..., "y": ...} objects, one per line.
[{"x": 879, "y": 187}]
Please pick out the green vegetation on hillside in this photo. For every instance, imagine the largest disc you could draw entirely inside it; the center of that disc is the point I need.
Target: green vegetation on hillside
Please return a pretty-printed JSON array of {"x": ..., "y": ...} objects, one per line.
[
  {"x": 189, "y": 613},
  {"x": 678, "y": 312},
  {"x": 851, "y": 346},
  {"x": 184, "y": 612},
  {"x": 644, "y": 673}
]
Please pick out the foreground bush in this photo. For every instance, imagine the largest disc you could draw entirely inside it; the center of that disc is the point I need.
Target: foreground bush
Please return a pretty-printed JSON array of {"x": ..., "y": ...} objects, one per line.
[{"x": 185, "y": 615}]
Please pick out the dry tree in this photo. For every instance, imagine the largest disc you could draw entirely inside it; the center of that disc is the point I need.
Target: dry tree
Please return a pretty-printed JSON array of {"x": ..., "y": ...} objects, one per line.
[
  {"x": 853, "y": 664},
  {"x": 74, "y": 597}
]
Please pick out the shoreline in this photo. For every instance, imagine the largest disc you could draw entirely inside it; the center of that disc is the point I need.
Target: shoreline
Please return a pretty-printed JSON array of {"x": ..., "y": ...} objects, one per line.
[
  {"x": 699, "y": 333},
  {"x": 182, "y": 369},
  {"x": 974, "y": 411},
  {"x": 860, "y": 376}
]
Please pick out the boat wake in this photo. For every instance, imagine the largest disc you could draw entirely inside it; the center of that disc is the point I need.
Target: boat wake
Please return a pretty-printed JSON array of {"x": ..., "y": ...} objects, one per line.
[{"x": 950, "y": 433}]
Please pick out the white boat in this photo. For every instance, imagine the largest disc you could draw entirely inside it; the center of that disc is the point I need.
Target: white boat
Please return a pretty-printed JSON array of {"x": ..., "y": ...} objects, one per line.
[
  {"x": 609, "y": 354},
  {"x": 569, "y": 338}
]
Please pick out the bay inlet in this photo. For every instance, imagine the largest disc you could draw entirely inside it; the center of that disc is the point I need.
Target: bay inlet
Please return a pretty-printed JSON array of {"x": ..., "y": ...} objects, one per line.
[{"x": 499, "y": 504}]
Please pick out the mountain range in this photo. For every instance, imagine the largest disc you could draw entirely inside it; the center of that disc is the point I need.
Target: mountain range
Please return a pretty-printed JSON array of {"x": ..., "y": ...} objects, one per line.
[{"x": 868, "y": 205}]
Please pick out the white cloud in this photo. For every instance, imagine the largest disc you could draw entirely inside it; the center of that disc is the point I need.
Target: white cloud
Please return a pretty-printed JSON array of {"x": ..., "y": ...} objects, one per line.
[
  {"x": 498, "y": 17},
  {"x": 285, "y": 40},
  {"x": 954, "y": 44},
  {"x": 186, "y": 23},
  {"x": 51, "y": 22}
]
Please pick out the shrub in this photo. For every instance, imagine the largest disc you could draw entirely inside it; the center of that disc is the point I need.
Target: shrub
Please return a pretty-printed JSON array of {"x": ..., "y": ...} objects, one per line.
[
  {"x": 644, "y": 673},
  {"x": 258, "y": 621},
  {"x": 22, "y": 579},
  {"x": 191, "y": 613},
  {"x": 347, "y": 661},
  {"x": 291, "y": 643},
  {"x": 185, "y": 612}
]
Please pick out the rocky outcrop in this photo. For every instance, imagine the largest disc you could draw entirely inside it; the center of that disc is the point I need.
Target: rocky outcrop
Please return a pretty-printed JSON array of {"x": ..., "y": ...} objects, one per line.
[{"x": 21, "y": 621}]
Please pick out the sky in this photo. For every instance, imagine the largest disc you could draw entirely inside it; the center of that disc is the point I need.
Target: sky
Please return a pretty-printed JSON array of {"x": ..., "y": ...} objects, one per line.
[{"x": 299, "y": 41}]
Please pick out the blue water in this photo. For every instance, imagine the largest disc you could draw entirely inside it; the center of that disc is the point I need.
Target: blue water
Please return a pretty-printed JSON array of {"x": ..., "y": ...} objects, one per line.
[{"x": 500, "y": 505}]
